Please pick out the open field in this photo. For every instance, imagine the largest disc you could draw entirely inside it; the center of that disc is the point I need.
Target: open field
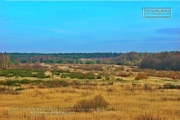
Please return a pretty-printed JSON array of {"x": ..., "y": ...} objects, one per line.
[{"x": 97, "y": 92}]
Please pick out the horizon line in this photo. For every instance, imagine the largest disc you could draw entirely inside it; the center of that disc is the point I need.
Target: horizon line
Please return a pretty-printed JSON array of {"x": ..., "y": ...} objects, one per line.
[{"x": 83, "y": 52}]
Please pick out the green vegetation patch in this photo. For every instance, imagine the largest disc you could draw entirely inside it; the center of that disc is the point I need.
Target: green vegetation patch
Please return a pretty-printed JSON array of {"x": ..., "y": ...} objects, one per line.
[{"x": 23, "y": 73}]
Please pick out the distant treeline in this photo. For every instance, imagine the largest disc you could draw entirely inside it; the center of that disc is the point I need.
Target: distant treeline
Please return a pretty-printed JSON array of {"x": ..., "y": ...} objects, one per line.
[
  {"x": 158, "y": 61},
  {"x": 131, "y": 58},
  {"x": 162, "y": 61},
  {"x": 60, "y": 57}
]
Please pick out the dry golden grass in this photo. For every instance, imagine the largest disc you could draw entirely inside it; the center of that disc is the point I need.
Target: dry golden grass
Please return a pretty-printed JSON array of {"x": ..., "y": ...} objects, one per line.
[
  {"x": 125, "y": 103},
  {"x": 128, "y": 99}
]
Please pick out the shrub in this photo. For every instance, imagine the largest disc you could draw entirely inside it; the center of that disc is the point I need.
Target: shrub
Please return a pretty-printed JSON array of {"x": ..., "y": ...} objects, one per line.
[
  {"x": 107, "y": 77},
  {"x": 99, "y": 77},
  {"x": 147, "y": 87},
  {"x": 25, "y": 81},
  {"x": 16, "y": 84},
  {"x": 36, "y": 82},
  {"x": 56, "y": 83},
  {"x": 4, "y": 90},
  {"x": 171, "y": 86},
  {"x": 63, "y": 83},
  {"x": 83, "y": 105},
  {"x": 141, "y": 76},
  {"x": 123, "y": 74},
  {"x": 136, "y": 70},
  {"x": 119, "y": 79},
  {"x": 120, "y": 68},
  {"x": 9, "y": 82},
  {"x": 19, "y": 89},
  {"x": 23, "y": 73},
  {"x": 162, "y": 74},
  {"x": 64, "y": 75},
  {"x": 174, "y": 75},
  {"x": 76, "y": 83},
  {"x": 98, "y": 102},
  {"x": 90, "y": 76},
  {"x": 75, "y": 75},
  {"x": 41, "y": 86}
]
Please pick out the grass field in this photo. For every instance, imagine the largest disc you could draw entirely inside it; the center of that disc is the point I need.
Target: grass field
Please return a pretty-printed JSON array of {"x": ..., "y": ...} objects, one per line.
[{"x": 116, "y": 99}]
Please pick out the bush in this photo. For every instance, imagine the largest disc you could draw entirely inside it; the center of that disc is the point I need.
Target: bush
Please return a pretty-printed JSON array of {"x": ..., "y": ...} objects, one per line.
[
  {"x": 64, "y": 75},
  {"x": 147, "y": 87},
  {"x": 83, "y": 105},
  {"x": 119, "y": 79},
  {"x": 4, "y": 90},
  {"x": 98, "y": 102},
  {"x": 107, "y": 77},
  {"x": 41, "y": 86},
  {"x": 123, "y": 74},
  {"x": 64, "y": 83},
  {"x": 99, "y": 77},
  {"x": 23, "y": 73},
  {"x": 141, "y": 76},
  {"x": 16, "y": 84},
  {"x": 75, "y": 75},
  {"x": 25, "y": 81},
  {"x": 36, "y": 82},
  {"x": 171, "y": 86},
  {"x": 56, "y": 83},
  {"x": 9, "y": 82},
  {"x": 76, "y": 83},
  {"x": 19, "y": 89},
  {"x": 174, "y": 75}
]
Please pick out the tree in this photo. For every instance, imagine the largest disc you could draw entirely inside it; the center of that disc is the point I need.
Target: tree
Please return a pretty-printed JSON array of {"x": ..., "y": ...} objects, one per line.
[
  {"x": 5, "y": 61},
  {"x": 162, "y": 61}
]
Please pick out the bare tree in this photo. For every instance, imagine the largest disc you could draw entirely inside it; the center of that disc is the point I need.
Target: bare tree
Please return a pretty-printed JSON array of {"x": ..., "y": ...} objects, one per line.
[{"x": 5, "y": 61}]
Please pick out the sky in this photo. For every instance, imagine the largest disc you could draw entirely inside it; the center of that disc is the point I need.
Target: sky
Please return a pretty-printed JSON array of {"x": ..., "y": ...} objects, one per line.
[{"x": 81, "y": 26}]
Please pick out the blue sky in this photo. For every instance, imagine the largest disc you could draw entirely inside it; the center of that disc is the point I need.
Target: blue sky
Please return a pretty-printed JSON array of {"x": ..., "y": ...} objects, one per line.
[{"x": 54, "y": 27}]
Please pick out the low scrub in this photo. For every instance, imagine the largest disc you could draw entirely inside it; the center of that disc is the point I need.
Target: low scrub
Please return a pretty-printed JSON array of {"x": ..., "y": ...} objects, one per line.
[
  {"x": 56, "y": 83},
  {"x": 19, "y": 89},
  {"x": 147, "y": 87},
  {"x": 170, "y": 86},
  {"x": 64, "y": 75},
  {"x": 57, "y": 72},
  {"x": 6, "y": 90},
  {"x": 123, "y": 74},
  {"x": 23, "y": 73},
  {"x": 141, "y": 76},
  {"x": 80, "y": 75},
  {"x": 85, "y": 105},
  {"x": 136, "y": 70},
  {"x": 15, "y": 82}
]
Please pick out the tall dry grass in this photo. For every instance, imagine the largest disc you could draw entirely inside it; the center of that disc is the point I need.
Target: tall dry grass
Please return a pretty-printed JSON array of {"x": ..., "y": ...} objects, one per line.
[{"x": 125, "y": 102}]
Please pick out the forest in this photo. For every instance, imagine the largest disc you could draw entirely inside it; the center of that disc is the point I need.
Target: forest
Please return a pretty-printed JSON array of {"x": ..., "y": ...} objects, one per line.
[{"x": 159, "y": 61}]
